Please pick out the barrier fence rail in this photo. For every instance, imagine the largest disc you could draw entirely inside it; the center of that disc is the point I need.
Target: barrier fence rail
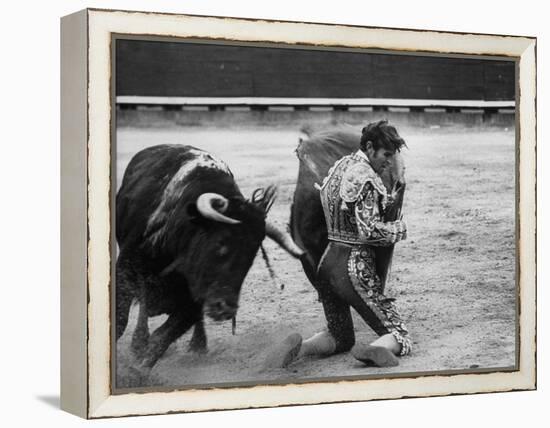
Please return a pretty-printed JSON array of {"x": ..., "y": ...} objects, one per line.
[{"x": 314, "y": 104}]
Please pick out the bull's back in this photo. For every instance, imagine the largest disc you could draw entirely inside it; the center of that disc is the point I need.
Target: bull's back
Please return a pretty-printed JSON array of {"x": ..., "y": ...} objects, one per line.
[{"x": 143, "y": 184}]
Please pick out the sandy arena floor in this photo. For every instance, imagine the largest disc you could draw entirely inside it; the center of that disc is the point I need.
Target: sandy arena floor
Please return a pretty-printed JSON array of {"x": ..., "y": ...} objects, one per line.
[{"x": 454, "y": 278}]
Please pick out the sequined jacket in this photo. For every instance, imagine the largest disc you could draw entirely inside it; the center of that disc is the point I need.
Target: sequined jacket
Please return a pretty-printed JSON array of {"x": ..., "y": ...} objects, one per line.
[{"x": 354, "y": 199}]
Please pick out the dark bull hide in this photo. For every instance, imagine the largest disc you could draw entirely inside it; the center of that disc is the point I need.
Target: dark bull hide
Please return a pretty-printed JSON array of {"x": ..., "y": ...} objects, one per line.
[
  {"x": 317, "y": 154},
  {"x": 187, "y": 238}
]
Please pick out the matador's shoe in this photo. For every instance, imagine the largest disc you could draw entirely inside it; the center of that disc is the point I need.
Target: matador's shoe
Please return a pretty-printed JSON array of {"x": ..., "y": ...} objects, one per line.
[
  {"x": 284, "y": 353},
  {"x": 375, "y": 355}
]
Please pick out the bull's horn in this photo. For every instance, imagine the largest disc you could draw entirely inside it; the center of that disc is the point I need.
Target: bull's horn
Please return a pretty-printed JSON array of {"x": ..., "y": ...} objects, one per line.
[
  {"x": 283, "y": 239},
  {"x": 205, "y": 206}
]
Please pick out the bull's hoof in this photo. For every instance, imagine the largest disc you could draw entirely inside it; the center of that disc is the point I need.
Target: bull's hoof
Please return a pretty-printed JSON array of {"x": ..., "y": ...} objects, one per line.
[
  {"x": 135, "y": 377},
  {"x": 197, "y": 348},
  {"x": 374, "y": 356},
  {"x": 198, "y": 343},
  {"x": 285, "y": 353}
]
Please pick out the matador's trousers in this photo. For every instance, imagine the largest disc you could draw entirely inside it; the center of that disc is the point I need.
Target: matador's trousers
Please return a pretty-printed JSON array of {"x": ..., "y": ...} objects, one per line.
[{"x": 348, "y": 278}]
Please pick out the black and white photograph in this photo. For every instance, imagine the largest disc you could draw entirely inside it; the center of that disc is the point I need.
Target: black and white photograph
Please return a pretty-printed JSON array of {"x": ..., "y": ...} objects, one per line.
[
  {"x": 289, "y": 214},
  {"x": 247, "y": 214}
]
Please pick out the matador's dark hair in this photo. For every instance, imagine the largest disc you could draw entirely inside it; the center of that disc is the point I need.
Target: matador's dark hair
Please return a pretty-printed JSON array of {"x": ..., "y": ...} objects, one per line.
[{"x": 381, "y": 134}]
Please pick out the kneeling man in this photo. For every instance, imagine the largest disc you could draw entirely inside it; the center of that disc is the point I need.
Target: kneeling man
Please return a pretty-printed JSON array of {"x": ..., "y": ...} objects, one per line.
[{"x": 354, "y": 201}]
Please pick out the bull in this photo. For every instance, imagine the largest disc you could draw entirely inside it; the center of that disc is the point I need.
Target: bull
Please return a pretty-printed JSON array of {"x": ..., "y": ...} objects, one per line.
[
  {"x": 316, "y": 154},
  {"x": 187, "y": 238}
]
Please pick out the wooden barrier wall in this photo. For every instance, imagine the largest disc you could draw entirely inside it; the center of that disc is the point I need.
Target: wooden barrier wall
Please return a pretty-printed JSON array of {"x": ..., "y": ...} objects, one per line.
[{"x": 154, "y": 68}]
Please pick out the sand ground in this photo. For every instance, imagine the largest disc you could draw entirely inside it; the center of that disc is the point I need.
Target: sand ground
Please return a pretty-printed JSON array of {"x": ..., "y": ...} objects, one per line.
[{"x": 454, "y": 278}]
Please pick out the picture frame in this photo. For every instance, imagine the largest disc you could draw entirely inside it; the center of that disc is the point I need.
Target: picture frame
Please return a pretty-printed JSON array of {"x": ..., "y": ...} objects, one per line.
[{"x": 87, "y": 211}]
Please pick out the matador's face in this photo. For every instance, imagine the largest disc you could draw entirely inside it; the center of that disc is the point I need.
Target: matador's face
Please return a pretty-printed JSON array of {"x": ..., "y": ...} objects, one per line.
[{"x": 379, "y": 159}]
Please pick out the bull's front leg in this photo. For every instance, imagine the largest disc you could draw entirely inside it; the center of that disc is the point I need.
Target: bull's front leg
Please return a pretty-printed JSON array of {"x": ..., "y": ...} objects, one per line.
[
  {"x": 140, "y": 338},
  {"x": 159, "y": 341},
  {"x": 198, "y": 341},
  {"x": 125, "y": 293}
]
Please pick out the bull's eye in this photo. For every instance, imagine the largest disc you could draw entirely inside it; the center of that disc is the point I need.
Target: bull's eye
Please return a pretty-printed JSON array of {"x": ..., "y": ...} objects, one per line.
[{"x": 223, "y": 251}]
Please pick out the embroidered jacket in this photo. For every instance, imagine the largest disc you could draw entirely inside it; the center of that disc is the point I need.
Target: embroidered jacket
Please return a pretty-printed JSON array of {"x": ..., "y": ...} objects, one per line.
[{"x": 354, "y": 199}]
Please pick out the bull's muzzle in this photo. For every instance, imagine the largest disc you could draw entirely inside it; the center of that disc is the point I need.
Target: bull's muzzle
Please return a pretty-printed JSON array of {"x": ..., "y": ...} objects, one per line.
[{"x": 220, "y": 309}]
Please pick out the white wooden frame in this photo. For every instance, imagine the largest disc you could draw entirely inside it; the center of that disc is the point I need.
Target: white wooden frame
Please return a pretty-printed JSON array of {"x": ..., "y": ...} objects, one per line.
[{"x": 86, "y": 256}]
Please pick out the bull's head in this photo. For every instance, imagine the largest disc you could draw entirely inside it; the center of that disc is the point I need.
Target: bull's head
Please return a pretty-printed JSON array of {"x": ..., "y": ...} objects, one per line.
[{"x": 216, "y": 256}]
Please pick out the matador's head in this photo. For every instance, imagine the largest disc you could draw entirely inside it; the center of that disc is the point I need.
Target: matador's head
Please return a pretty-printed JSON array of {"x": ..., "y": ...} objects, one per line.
[{"x": 380, "y": 142}]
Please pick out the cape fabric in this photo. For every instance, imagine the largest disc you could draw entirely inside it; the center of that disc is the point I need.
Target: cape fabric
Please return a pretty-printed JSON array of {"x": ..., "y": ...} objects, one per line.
[{"x": 319, "y": 153}]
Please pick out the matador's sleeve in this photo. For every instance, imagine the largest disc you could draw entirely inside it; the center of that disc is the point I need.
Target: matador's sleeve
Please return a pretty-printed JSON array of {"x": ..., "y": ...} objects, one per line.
[{"x": 372, "y": 229}]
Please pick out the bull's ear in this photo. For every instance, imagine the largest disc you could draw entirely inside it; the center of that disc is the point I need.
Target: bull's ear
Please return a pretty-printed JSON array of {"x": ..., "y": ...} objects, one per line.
[{"x": 264, "y": 197}]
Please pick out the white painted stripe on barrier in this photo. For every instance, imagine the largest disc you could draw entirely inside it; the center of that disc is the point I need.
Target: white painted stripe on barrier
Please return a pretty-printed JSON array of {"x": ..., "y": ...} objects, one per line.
[
  {"x": 399, "y": 109},
  {"x": 244, "y": 101},
  {"x": 238, "y": 108},
  {"x": 280, "y": 108},
  {"x": 360, "y": 108},
  {"x": 195, "y": 108},
  {"x": 471, "y": 110}
]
